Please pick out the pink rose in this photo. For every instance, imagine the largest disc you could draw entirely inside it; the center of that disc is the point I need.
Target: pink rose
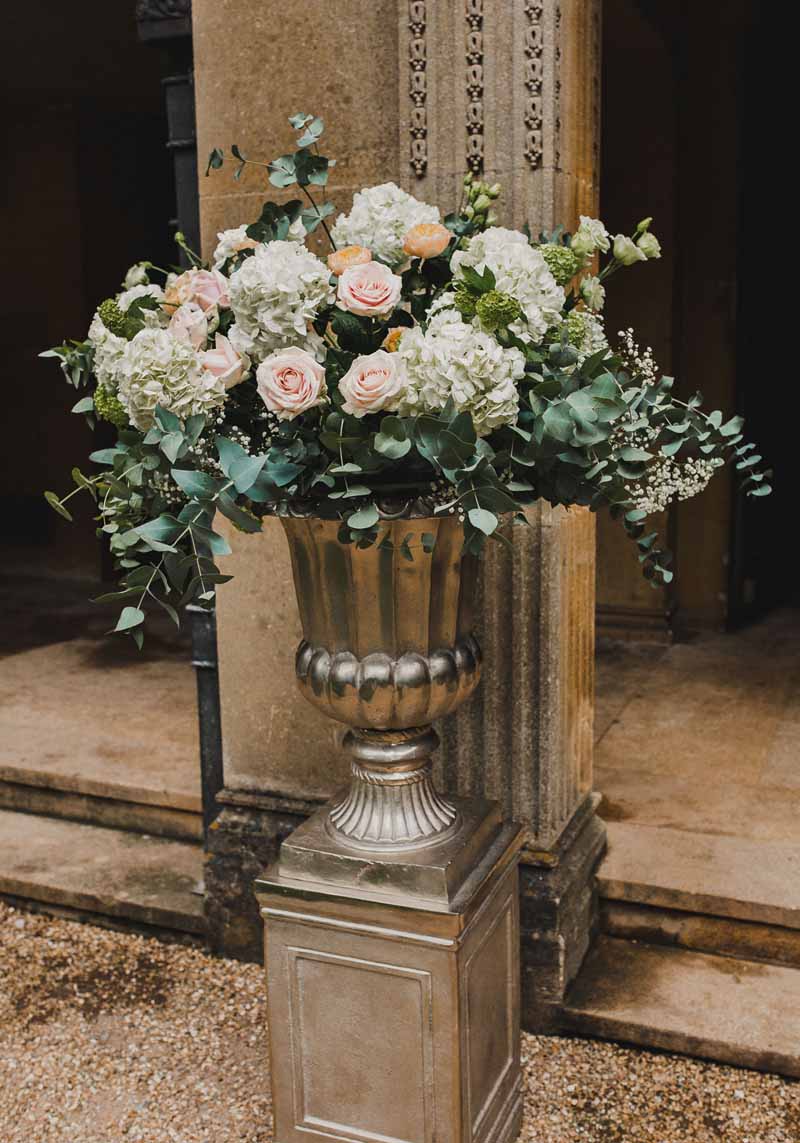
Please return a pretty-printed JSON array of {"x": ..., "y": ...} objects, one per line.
[
  {"x": 371, "y": 383},
  {"x": 224, "y": 362},
  {"x": 189, "y": 324},
  {"x": 290, "y": 381},
  {"x": 370, "y": 290},
  {"x": 205, "y": 287}
]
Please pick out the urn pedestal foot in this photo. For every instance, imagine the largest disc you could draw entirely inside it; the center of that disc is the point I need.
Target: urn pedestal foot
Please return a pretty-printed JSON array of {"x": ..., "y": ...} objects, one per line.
[{"x": 393, "y": 984}]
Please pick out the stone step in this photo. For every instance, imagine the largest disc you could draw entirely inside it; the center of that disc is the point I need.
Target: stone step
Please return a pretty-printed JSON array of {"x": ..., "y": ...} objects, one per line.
[
  {"x": 65, "y": 752},
  {"x": 107, "y": 872},
  {"x": 740, "y": 878},
  {"x": 733, "y": 1011},
  {"x": 723, "y": 936},
  {"x": 114, "y": 805}
]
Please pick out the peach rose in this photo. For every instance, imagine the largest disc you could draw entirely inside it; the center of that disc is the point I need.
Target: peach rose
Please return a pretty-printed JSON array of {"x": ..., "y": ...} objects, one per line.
[
  {"x": 290, "y": 381},
  {"x": 341, "y": 260},
  {"x": 189, "y": 324},
  {"x": 371, "y": 383},
  {"x": 205, "y": 287},
  {"x": 426, "y": 240},
  {"x": 224, "y": 362},
  {"x": 371, "y": 290},
  {"x": 391, "y": 342}
]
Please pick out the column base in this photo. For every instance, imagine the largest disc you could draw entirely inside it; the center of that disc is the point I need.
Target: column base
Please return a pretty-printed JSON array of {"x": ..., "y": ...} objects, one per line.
[
  {"x": 559, "y": 916},
  {"x": 393, "y": 983}
]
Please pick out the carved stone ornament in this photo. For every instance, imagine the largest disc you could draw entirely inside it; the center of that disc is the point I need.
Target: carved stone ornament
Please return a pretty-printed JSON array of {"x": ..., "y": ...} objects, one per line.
[
  {"x": 418, "y": 86},
  {"x": 474, "y": 58},
  {"x": 534, "y": 52}
]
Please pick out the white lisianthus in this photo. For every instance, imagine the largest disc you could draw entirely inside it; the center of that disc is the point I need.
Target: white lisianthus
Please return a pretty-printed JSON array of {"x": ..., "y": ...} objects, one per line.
[
  {"x": 590, "y": 237},
  {"x": 143, "y": 290},
  {"x": 649, "y": 245},
  {"x": 453, "y": 359},
  {"x": 275, "y": 294},
  {"x": 519, "y": 270},
  {"x": 159, "y": 369},
  {"x": 593, "y": 293},
  {"x": 231, "y": 242},
  {"x": 109, "y": 350},
  {"x": 136, "y": 276},
  {"x": 297, "y": 232},
  {"x": 380, "y": 219},
  {"x": 626, "y": 251}
]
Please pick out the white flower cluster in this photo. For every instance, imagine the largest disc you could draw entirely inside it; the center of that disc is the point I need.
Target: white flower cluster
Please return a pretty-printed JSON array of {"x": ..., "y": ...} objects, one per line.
[
  {"x": 640, "y": 363},
  {"x": 275, "y": 295},
  {"x": 594, "y": 335},
  {"x": 666, "y": 480},
  {"x": 109, "y": 350},
  {"x": 158, "y": 369},
  {"x": 380, "y": 218},
  {"x": 519, "y": 270},
  {"x": 453, "y": 359},
  {"x": 143, "y": 290}
]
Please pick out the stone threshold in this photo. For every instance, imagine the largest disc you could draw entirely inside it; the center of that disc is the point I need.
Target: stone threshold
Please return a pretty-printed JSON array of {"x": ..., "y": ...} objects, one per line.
[{"x": 756, "y": 881}]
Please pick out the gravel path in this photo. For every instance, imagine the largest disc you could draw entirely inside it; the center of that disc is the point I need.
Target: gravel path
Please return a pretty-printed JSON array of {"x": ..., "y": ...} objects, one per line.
[{"x": 111, "y": 1038}]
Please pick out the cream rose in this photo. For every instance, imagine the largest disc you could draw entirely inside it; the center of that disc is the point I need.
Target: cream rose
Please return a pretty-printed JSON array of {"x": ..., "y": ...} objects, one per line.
[
  {"x": 290, "y": 381},
  {"x": 371, "y": 290},
  {"x": 224, "y": 362},
  {"x": 371, "y": 383},
  {"x": 190, "y": 324},
  {"x": 205, "y": 287}
]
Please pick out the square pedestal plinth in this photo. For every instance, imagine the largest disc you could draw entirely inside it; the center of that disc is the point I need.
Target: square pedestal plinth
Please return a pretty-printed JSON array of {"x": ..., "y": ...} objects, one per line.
[{"x": 394, "y": 1016}]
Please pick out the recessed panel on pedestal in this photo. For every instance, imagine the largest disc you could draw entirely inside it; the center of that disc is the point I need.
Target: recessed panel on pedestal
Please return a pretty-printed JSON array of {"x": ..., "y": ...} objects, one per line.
[{"x": 361, "y": 1042}]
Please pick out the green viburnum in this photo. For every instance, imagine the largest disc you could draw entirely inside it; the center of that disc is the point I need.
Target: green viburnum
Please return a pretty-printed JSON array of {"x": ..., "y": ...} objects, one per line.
[
  {"x": 113, "y": 318},
  {"x": 109, "y": 407},
  {"x": 465, "y": 301},
  {"x": 575, "y": 326},
  {"x": 497, "y": 310},
  {"x": 562, "y": 262}
]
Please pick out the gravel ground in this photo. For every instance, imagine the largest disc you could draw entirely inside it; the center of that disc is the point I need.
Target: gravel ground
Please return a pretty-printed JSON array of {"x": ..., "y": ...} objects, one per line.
[{"x": 107, "y": 1037}]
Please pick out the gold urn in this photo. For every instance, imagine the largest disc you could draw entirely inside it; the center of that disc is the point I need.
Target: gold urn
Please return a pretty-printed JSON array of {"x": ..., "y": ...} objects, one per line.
[{"x": 387, "y": 649}]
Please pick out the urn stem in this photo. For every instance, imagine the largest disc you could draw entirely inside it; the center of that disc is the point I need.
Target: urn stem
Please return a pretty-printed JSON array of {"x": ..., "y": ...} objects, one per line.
[{"x": 392, "y": 802}]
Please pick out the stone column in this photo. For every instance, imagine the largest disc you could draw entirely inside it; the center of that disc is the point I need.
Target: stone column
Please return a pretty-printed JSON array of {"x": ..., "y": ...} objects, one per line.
[{"x": 509, "y": 90}]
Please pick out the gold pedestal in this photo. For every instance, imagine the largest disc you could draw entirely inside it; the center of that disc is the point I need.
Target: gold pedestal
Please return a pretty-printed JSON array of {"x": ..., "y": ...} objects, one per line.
[{"x": 393, "y": 984}]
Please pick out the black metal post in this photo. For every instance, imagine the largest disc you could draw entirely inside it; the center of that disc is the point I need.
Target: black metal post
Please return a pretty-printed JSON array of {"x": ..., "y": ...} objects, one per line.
[{"x": 204, "y": 660}]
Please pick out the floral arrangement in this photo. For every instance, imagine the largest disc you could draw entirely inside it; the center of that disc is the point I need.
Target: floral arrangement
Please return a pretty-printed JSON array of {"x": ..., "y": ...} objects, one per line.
[{"x": 442, "y": 359}]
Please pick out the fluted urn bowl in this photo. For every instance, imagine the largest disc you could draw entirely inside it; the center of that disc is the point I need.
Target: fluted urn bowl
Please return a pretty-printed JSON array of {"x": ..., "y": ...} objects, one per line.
[
  {"x": 387, "y": 629},
  {"x": 387, "y": 649}
]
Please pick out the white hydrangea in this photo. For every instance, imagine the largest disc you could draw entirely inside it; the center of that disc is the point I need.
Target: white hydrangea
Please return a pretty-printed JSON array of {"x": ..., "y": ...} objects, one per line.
[
  {"x": 158, "y": 369},
  {"x": 453, "y": 359},
  {"x": 109, "y": 350},
  {"x": 275, "y": 295},
  {"x": 150, "y": 289},
  {"x": 519, "y": 270},
  {"x": 380, "y": 219}
]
